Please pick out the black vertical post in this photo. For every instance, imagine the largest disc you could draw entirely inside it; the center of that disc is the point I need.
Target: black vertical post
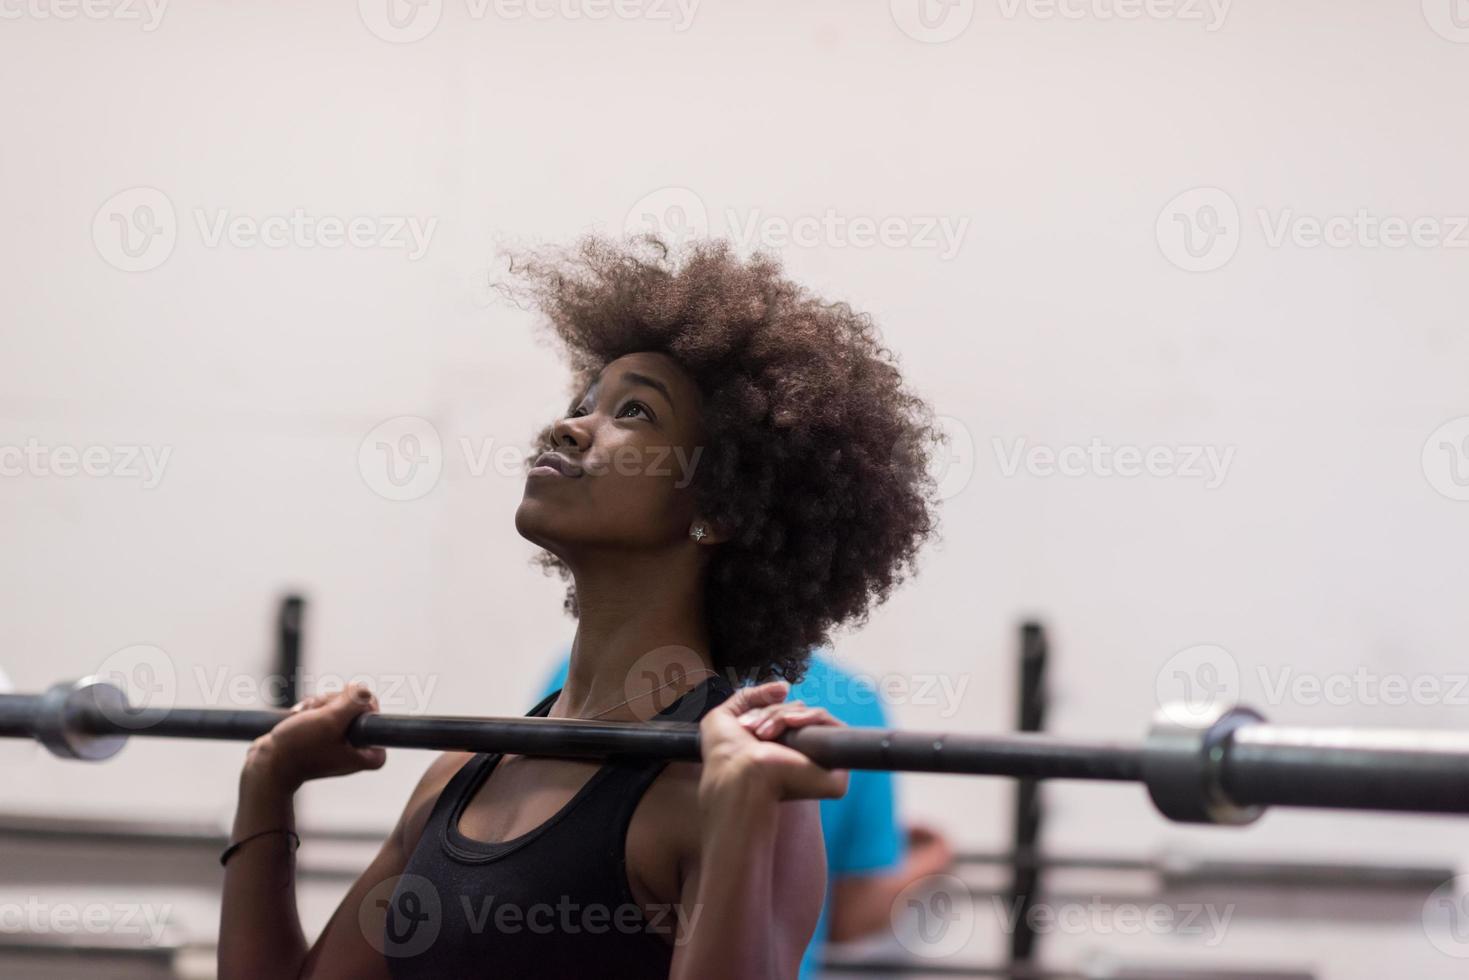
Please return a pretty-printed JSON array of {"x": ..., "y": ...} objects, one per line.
[
  {"x": 1025, "y": 880},
  {"x": 288, "y": 650}
]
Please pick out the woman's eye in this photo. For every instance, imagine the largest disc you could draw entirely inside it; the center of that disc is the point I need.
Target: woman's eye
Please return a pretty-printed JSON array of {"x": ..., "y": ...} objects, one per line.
[
  {"x": 647, "y": 413},
  {"x": 640, "y": 406}
]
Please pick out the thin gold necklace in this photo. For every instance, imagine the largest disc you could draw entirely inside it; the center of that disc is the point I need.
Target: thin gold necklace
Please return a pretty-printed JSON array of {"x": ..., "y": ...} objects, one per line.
[{"x": 645, "y": 694}]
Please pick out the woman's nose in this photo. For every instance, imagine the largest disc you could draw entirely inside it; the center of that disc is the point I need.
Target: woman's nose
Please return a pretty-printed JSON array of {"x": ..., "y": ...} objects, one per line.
[{"x": 572, "y": 431}]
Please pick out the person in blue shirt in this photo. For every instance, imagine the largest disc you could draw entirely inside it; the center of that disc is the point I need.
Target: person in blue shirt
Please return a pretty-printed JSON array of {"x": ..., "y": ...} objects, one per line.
[{"x": 869, "y": 858}]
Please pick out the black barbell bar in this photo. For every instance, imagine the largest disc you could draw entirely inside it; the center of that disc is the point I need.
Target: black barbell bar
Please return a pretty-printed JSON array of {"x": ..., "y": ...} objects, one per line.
[{"x": 1224, "y": 767}]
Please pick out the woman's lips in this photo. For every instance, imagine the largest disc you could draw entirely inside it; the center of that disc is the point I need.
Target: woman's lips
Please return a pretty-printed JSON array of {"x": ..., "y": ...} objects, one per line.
[{"x": 554, "y": 464}]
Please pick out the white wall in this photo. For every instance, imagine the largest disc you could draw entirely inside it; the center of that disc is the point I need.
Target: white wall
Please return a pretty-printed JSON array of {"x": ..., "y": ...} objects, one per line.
[{"x": 1063, "y": 315}]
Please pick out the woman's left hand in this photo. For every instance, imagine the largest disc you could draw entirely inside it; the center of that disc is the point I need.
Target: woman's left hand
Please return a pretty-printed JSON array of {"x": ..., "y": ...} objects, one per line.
[{"x": 740, "y": 756}]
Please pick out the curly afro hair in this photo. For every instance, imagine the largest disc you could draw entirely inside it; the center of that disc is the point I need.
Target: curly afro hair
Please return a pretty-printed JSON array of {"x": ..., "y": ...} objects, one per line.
[{"x": 816, "y": 454}]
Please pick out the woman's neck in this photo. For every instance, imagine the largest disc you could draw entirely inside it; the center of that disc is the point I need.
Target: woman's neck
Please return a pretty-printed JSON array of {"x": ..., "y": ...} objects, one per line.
[{"x": 641, "y": 640}]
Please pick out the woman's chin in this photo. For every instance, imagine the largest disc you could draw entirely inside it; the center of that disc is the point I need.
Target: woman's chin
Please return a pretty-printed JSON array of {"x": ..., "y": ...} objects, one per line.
[{"x": 533, "y": 523}]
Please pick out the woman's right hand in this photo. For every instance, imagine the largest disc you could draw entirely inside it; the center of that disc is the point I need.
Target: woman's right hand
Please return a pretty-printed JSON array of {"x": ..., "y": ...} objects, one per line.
[{"x": 311, "y": 742}]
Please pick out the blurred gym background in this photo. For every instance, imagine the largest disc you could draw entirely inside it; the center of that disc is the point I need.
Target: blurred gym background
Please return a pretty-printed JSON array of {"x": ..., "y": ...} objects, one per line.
[{"x": 1184, "y": 279}]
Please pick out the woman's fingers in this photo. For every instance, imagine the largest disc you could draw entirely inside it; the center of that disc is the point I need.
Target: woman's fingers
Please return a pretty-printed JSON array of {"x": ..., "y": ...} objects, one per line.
[
  {"x": 753, "y": 718},
  {"x": 759, "y": 696},
  {"x": 314, "y": 737},
  {"x": 373, "y": 756},
  {"x": 352, "y": 701},
  {"x": 743, "y": 727},
  {"x": 771, "y": 722},
  {"x": 308, "y": 702}
]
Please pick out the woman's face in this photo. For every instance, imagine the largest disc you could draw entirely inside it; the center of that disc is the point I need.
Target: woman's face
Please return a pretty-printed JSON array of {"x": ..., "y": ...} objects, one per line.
[{"x": 630, "y": 446}]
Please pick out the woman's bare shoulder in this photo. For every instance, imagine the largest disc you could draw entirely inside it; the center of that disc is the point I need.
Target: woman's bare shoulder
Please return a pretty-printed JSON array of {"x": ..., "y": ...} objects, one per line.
[{"x": 426, "y": 794}]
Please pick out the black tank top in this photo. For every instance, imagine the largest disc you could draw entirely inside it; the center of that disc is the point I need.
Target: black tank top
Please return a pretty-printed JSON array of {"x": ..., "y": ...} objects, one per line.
[{"x": 553, "y": 902}]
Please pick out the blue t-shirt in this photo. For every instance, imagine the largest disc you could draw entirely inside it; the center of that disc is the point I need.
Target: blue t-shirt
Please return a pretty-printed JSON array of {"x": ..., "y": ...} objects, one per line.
[{"x": 861, "y": 828}]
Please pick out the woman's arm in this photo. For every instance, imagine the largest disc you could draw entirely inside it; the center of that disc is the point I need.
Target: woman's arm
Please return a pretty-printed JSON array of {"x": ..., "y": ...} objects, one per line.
[
  {"x": 260, "y": 930},
  {"x": 753, "y": 896}
]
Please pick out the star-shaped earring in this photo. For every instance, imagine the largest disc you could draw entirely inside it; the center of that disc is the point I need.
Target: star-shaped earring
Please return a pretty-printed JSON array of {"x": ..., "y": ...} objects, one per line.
[{"x": 697, "y": 533}]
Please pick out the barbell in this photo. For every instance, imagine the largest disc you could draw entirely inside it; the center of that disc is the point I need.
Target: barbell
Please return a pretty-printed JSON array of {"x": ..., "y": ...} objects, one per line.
[{"x": 1222, "y": 766}]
